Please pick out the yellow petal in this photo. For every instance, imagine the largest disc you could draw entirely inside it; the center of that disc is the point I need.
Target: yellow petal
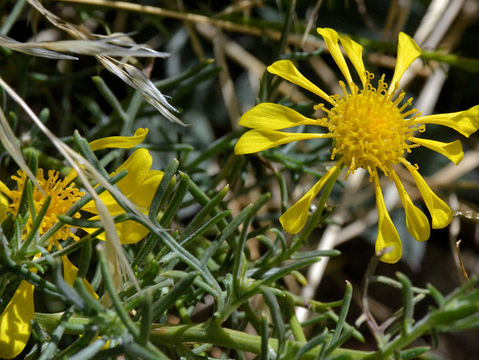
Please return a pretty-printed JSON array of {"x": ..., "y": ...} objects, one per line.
[
  {"x": 3, "y": 207},
  {"x": 441, "y": 214},
  {"x": 294, "y": 219},
  {"x": 261, "y": 139},
  {"x": 408, "y": 51},
  {"x": 453, "y": 150},
  {"x": 144, "y": 194},
  {"x": 416, "y": 222},
  {"x": 465, "y": 122},
  {"x": 129, "y": 231},
  {"x": 138, "y": 165},
  {"x": 388, "y": 236},
  {"x": 287, "y": 70},
  {"x": 123, "y": 142},
  {"x": 355, "y": 55},
  {"x": 15, "y": 327},
  {"x": 70, "y": 272},
  {"x": 274, "y": 117},
  {"x": 331, "y": 38}
]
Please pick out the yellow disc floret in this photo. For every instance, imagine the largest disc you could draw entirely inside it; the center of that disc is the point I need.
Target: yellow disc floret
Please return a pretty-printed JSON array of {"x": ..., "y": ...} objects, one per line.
[
  {"x": 369, "y": 128},
  {"x": 63, "y": 195}
]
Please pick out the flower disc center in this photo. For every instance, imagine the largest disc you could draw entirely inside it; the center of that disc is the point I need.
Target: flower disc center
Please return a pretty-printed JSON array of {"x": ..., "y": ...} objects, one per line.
[{"x": 369, "y": 129}]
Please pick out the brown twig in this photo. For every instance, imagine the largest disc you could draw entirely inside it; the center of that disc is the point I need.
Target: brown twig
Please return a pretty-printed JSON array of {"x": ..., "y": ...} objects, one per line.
[
  {"x": 459, "y": 257},
  {"x": 370, "y": 321}
]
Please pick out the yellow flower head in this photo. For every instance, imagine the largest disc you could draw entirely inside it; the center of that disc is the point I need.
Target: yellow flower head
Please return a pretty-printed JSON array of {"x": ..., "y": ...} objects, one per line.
[
  {"x": 139, "y": 185},
  {"x": 372, "y": 127},
  {"x": 63, "y": 195}
]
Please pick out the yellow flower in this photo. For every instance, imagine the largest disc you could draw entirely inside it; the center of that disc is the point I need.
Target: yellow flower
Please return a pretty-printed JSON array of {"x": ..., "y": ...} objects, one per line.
[
  {"x": 139, "y": 185},
  {"x": 371, "y": 128}
]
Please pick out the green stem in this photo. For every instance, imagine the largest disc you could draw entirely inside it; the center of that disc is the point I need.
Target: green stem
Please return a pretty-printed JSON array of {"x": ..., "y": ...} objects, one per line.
[
  {"x": 402, "y": 341},
  {"x": 208, "y": 333}
]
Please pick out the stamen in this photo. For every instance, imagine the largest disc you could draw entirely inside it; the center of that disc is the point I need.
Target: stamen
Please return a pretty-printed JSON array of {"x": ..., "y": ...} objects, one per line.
[
  {"x": 343, "y": 87},
  {"x": 412, "y": 111},
  {"x": 405, "y": 105},
  {"x": 321, "y": 107},
  {"x": 63, "y": 196}
]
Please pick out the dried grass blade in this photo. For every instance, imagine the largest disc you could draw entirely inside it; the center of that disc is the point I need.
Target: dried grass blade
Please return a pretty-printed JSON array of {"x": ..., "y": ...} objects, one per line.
[
  {"x": 34, "y": 49},
  {"x": 128, "y": 73},
  {"x": 10, "y": 143}
]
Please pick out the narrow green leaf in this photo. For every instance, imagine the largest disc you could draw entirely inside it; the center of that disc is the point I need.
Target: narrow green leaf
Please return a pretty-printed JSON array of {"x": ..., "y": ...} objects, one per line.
[
  {"x": 66, "y": 289},
  {"x": 161, "y": 190},
  {"x": 90, "y": 351},
  {"x": 86, "y": 151},
  {"x": 208, "y": 209},
  {"x": 185, "y": 242},
  {"x": 215, "y": 148},
  {"x": 81, "y": 343},
  {"x": 408, "y": 305},
  {"x": 315, "y": 254},
  {"x": 226, "y": 233},
  {"x": 85, "y": 258},
  {"x": 414, "y": 353},
  {"x": 344, "y": 311},
  {"x": 110, "y": 98},
  {"x": 37, "y": 220},
  {"x": 276, "y": 315},
  {"x": 175, "y": 202},
  {"x": 169, "y": 299},
  {"x": 239, "y": 259},
  {"x": 146, "y": 318},
  {"x": 311, "y": 344},
  {"x": 173, "y": 81},
  {"x": 91, "y": 303}
]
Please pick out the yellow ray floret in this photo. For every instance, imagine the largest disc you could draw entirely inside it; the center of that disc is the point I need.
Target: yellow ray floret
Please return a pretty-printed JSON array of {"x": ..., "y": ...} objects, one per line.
[
  {"x": 287, "y": 70},
  {"x": 275, "y": 117},
  {"x": 408, "y": 51},
  {"x": 331, "y": 38},
  {"x": 465, "y": 122},
  {"x": 441, "y": 213},
  {"x": 453, "y": 150},
  {"x": 355, "y": 55},
  {"x": 388, "y": 236},
  {"x": 15, "y": 327},
  {"x": 121, "y": 142},
  {"x": 416, "y": 221},
  {"x": 294, "y": 219},
  {"x": 262, "y": 139}
]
